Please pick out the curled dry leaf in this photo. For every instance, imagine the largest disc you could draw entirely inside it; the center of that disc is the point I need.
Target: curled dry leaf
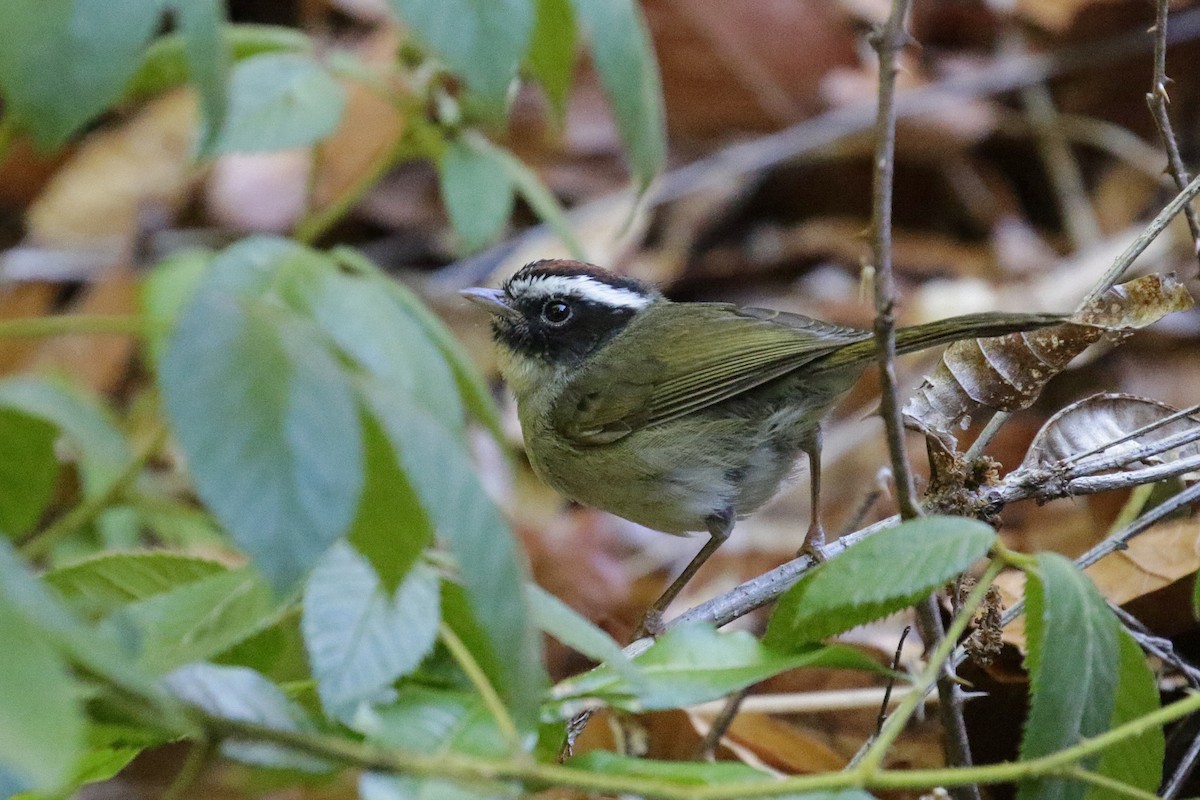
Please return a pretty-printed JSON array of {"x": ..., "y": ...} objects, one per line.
[
  {"x": 1097, "y": 423},
  {"x": 1007, "y": 373}
]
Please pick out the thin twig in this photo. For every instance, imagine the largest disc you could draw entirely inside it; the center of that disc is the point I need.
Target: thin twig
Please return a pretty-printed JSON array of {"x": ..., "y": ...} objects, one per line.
[
  {"x": 887, "y": 692},
  {"x": 199, "y": 754},
  {"x": 495, "y": 706},
  {"x": 1157, "y": 99},
  {"x": 1182, "y": 772},
  {"x": 1156, "y": 646},
  {"x": 888, "y": 42},
  {"x": 720, "y": 725}
]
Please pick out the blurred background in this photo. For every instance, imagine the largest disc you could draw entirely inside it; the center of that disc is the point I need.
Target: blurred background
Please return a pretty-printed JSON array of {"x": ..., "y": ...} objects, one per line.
[{"x": 1026, "y": 161}]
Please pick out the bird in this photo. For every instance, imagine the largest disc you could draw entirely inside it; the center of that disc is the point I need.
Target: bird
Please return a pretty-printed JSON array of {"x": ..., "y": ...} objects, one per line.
[{"x": 679, "y": 416}]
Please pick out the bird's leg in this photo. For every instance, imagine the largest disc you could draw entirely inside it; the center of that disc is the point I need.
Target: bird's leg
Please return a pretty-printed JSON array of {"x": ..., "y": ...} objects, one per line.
[
  {"x": 719, "y": 527},
  {"x": 814, "y": 539}
]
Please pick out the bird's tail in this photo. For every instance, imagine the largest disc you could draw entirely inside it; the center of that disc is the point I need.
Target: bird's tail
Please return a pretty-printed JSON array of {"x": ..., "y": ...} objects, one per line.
[{"x": 940, "y": 332}]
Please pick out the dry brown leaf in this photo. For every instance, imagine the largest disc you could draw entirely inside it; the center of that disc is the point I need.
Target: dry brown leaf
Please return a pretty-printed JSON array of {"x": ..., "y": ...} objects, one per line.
[
  {"x": 1154, "y": 560},
  {"x": 1007, "y": 373},
  {"x": 780, "y": 745},
  {"x": 1053, "y": 15},
  {"x": 1096, "y": 421},
  {"x": 115, "y": 174}
]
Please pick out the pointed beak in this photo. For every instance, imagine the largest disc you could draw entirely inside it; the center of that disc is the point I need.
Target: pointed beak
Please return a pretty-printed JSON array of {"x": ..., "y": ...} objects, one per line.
[{"x": 492, "y": 301}]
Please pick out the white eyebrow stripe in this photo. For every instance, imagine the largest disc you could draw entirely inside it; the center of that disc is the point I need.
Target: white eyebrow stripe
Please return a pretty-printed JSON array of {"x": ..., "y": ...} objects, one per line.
[{"x": 584, "y": 287}]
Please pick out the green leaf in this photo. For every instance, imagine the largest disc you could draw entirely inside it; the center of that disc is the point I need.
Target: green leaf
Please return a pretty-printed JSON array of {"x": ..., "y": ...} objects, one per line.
[
  {"x": 624, "y": 59},
  {"x": 103, "y": 583},
  {"x": 481, "y": 40},
  {"x": 97, "y": 442},
  {"x": 28, "y": 470},
  {"x": 473, "y": 389},
  {"x": 199, "y": 620},
  {"x": 267, "y": 420},
  {"x": 165, "y": 63},
  {"x": 166, "y": 292},
  {"x": 552, "y": 53},
  {"x": 359, "y": 638},
  {"x": 63, "y": 62},
  {"x": 531, "y": 188},
  {"x": 477, "y": 192},
  {"x": 41, "y": 715},
  {"x": 360, "y": 313},
  {"x": 1196, "y": 597},
  {"x": 568, "y": 626},
  {"x": 469, "y": 524},
  {"x": 391, "y": 528},
  {"x": 692, "y": 773},
  {"x": 200, "y": 22},
  {"x": 435, "y": 723},
  {"x": 277, "y": 101},
  {"x": 1137, "y": 761},
  {"x": 242, "y": 694},
  {"x": 1073, "y": 659},
  {"x": 694, "y": 664},
  {"x": 882, "y": 574}
]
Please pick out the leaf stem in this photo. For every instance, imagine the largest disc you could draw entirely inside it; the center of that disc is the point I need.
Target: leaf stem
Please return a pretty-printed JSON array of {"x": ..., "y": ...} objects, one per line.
[
  {"x": 894, "y": 726},
  {"x": 462, "y": 655},
  {"x": 74, "y": 325}
]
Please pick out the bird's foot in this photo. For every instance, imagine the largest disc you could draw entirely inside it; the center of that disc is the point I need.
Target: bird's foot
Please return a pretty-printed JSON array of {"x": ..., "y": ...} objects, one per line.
[{"x": 814, "y": 543}]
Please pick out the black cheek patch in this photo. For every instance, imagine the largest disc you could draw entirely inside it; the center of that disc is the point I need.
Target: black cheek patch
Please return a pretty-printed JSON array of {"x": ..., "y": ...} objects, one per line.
[{"x": 591, "y": 325}]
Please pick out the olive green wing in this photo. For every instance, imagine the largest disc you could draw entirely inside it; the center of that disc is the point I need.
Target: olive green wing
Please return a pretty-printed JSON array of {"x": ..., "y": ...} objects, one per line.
[{"x": 685, "y": 357}]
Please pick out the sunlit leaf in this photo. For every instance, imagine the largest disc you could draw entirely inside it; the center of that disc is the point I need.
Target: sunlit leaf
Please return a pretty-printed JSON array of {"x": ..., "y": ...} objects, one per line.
[
  {"x": 105, "y": 582},
  {"x": 552, "y": 54}
]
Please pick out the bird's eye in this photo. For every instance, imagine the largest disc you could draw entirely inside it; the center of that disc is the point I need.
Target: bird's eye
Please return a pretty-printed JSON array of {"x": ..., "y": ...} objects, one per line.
[{"x": 556, "y": 312}]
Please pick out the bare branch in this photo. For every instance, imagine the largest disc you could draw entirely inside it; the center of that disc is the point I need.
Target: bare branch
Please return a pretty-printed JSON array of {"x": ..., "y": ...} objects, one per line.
[{"x": 1158, "y": 99}]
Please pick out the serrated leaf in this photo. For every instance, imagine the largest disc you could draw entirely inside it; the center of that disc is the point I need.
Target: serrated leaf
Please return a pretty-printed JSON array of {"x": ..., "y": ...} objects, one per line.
[
  {"x": 270, "y": 428},
  {"x": 63, "y": 62},
  {"x": 694, "y": 664},
  {"x": 359, "y": 638},
  {"x": 434, "y": 722},
  {"x": 1137, "y": 761},
  {"x": 1073, "y": 660},
  {"x": 242, "y": 694},
  {"x": 691, "y": 773},
  {"x": 199, "y": 620},
  {"x": 624, "y": 60},
  {"x": 474, "y": 391},
  {"x": 882, "y": 574},
  {"x": 277, "y": 101},
  {"x": 28, "y": 470},
  {"x": 105, "y": 582},
  {"x": 469, "y": 524},
  {"x": 41, "y": 713},
  {"x": 200, "y": 22},
  {"x": 477, "y": 192},
  {"x": 552, "y": 52},
  {"x": 481, "y": 40}
]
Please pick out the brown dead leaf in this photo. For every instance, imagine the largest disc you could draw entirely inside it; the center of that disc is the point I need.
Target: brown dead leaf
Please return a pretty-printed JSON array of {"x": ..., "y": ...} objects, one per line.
[
  {"x": 98, "y": 194},
  {"x": 1154, "y": 560},
  {"x": 1055, "y": 16},
  {"x": 1007, "y": 373},
  {"x": 1096, "y": 421},
  {"x": 781, "y": 745}
]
